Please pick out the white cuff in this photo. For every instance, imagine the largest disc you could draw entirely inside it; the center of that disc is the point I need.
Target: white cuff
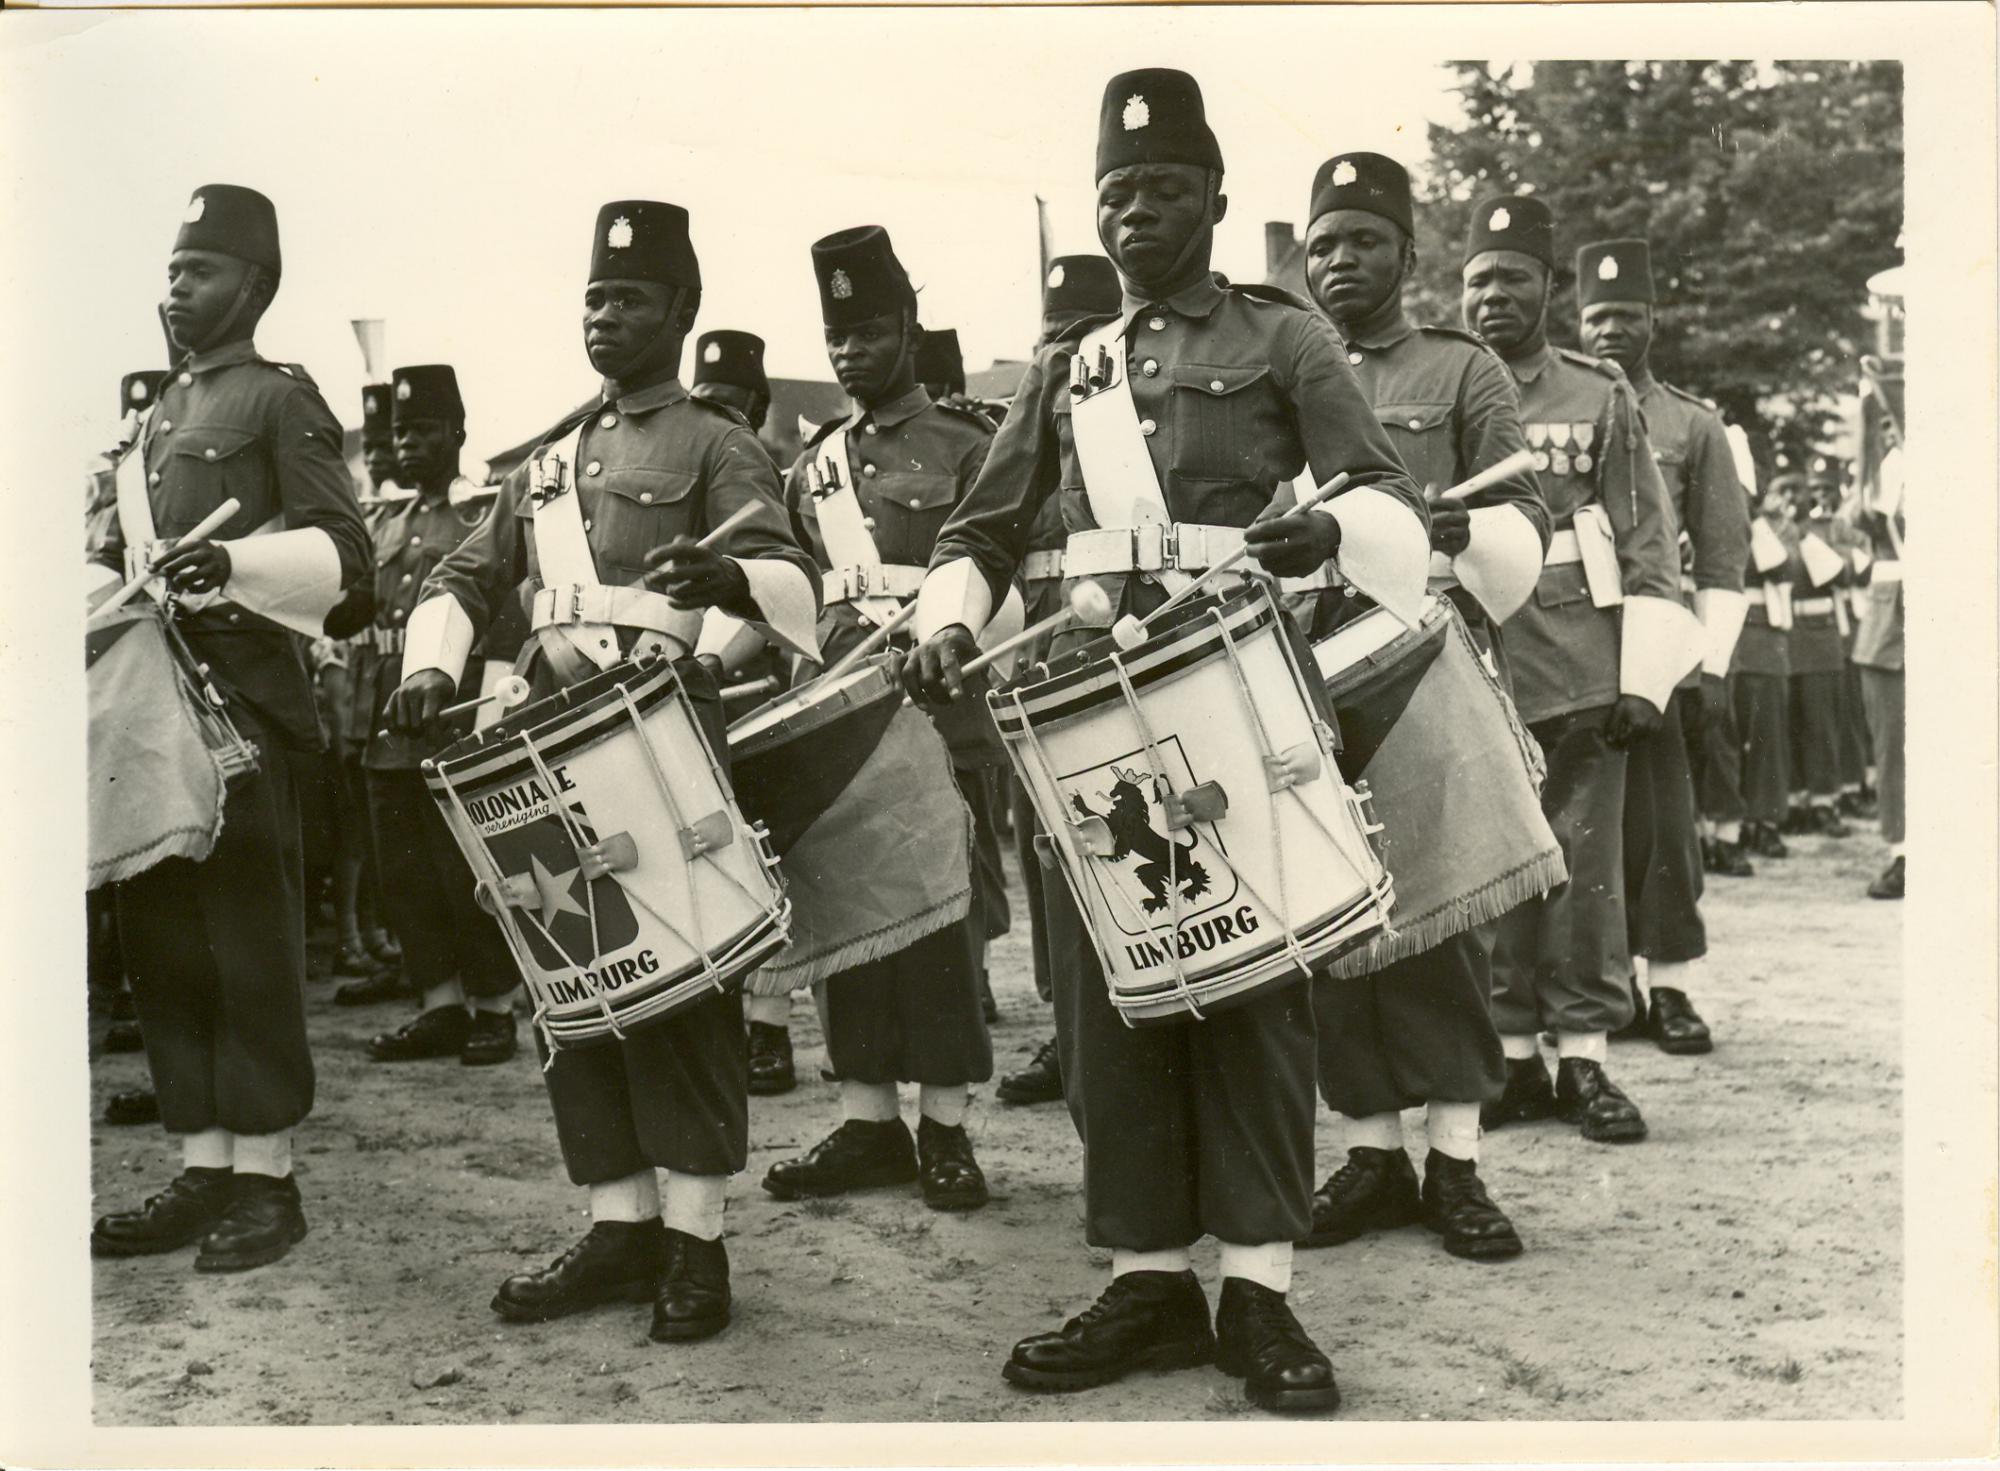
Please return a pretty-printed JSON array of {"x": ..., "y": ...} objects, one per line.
[
  {"x": 955, "y": 592},
  {"x": 491, "y": 673},
  {"x": 785, "y": 597},
  {"x": 1659, "y": 643},
  {"x": 1721, "y": 613},
  {"x": 1502, "y": 562},
  {"x": 439, "y": 636},
  {"x": 1005, "y": 624},
  {"x": 1823, "y": 563},
  {"x": 1383, "y": 549},
  {"x": 1766, "y": 550},
  {"x": 289, "y": 577},
  {"x": 1739, "y": 454}
]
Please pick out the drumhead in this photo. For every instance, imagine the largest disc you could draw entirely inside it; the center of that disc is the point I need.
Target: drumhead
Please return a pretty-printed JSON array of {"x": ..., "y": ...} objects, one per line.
[
  {"x": 560, "y": 723},
  {"x": 811, "y": 706}
]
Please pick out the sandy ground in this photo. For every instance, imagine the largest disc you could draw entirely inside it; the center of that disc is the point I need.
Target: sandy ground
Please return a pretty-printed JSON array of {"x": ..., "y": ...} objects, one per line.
[{"x": 1746, "y": 1261}]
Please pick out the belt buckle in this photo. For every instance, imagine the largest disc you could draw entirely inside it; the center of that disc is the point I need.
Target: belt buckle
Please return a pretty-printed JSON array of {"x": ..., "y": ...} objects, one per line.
[{"x": 576, "y": 602}]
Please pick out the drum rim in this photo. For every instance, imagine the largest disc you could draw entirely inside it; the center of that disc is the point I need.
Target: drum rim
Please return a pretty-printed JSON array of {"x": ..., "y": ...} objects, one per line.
[
  {"x": 498, "y": 754},
  {"x": 1436, "y": 616},
  {"x": 1370, "y": 898},
  {"x": 1191, "y": 636},
  {"x": 816, "y": 713},
  {"x": 764, "y": 937}
]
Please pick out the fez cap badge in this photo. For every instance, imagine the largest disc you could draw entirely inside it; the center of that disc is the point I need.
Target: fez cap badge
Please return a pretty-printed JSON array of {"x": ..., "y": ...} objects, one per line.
[
  {"x": 403, "y": 391},
  {"x": 1500, "y": 219},
  {"x": 840, "y": 286},
  {"x": 1607, "y": 269},
  {"x": 140, "y": 393},
  {"x": 197, "y": 207},
  {"x": 1137, "y": 114},
  {"x": 712, "y": 353},
  {"x": 619, "y": 236},
  {"x": 1343, "y": 173},
  {"x": 1055, "y": 277}
]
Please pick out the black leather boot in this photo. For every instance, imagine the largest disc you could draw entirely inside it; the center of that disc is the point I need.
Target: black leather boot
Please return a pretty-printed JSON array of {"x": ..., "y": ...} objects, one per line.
[
  {"x": 1258, "y": 1341},
  {"x": 1143, "y": 1320},
  {"x": 771, "y": 1070},
  {"x": 616, "y": 1261},
  {"x": 1727, "y": 859},
  {"x": 1585, "y": 1096},
  {"x": 489, "y": 1039},
  {"x": 263, "y": 1220},
  {"x": 857, "y": 1155},
  {"x": 692, "y": 1302},
  {"x": 946, "y": 1170},
  {"x": 1889, "y": 883},
  {"x": 1527, "y": 1096},
  {"x": 1457, "y": 1207},
  {"x": 1039, "y": 1082},
  {"x": 178, "y": 1216},
  {"x": 1675, "y": 1026},
  {"x": 439, "y": 1032},
  {"x": 1376, "y": 1190}
]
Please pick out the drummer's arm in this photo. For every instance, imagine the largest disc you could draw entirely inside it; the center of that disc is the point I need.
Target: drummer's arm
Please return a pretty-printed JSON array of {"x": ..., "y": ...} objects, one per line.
[
  {"x": 1507, "y": 529},
  {"x": 463, "y": 594},
  {"x": 783, "y": 580}
]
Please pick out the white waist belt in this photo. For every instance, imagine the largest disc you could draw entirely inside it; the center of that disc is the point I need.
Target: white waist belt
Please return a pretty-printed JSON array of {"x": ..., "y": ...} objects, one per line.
[
  {"x": 1185, "y": 546},
  {"x": 1813, "y": 606},
  {"x": 626, "y": 607},
  {"x": 850, "y": 584},
  {"x": 1043, "y": 566},
  {"x": 1888, "y": 571},
  {"x": 1564, "y": 548},
  {"x": 387, "y": 640}
]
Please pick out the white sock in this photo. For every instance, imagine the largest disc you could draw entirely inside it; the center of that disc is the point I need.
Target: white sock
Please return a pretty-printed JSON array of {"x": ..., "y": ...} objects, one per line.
[
  {"x": 1376, "y": 1131},
  {"x": 445, "y": 993},
  {"x": 497, "y": 1005},
  {"x": 1173, "y": 1259},
  {"x": 943, "y": 1102},
  {"x": 1589, "y": 1045},
  {"x": 1642, "y": 975},
  {"x": 1521, "y": 1048},
  {"x": 694, "y": 1204},
  {"x": 772, "y": 1011},
  {"x": 634, "y": 1198},
  {"x": 873, "y": 1103},
  {"x": 211, "y": 1149},
  {"x": 1269, "y": 1265},
  {"x": 264, "y": 1154},
  {"x": 1673, "y": 974},
  {"x": 1729, "y": 832},
  {"x": 1453, "y": 1129}
]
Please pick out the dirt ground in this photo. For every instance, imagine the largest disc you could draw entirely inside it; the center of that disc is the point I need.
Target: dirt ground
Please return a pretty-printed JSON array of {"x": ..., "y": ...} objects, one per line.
[{"x": 1745, "y": 1261}]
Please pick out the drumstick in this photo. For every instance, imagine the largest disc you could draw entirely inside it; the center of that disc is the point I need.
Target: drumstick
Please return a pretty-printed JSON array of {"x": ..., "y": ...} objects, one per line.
[
  {"x": 510, "y": 692},
  {"x": 1514, "y": 464},
  {"x": 1130, "y": 631},
  {"x": 871, "y": 643},
  {"x": 752, "y": 687},
  {"x": 207, "y": 527},
  {"x": 1088, "y": 600},
  {"x": 735, "y": 519}
]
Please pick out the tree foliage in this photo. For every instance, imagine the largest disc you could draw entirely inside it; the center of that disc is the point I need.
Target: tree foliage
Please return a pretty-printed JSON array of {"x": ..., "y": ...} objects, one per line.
[{"x": 1770, "y": 192}]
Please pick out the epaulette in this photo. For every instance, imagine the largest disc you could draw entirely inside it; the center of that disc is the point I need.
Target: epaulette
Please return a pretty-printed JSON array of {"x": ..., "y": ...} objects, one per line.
[
  {"x": 970, "y": 416},
  {"x": 291, "y": 370},
  {"x": 1439, "y": 330},
  {"x": 1603, "y": 366},
  {"x": 1076, "y": 331},
  {"x": 1694, "y": 398},
  {"x": 734, "y": 416},
  {"x": 1278, "y": 294}
]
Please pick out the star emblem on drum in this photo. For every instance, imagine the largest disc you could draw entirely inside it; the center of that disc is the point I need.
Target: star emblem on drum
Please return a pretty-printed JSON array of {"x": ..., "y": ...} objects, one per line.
[
  {"x": 1137, "y": 114},
  {"x": 558, "y": 891}
]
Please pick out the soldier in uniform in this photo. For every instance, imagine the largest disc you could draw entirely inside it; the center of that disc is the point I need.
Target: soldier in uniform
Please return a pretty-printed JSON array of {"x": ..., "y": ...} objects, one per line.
[
  {"x": 453, "y": 953},
  {"x": 1878, "y": 654},
  {"x": 1595, "y": 654},
  {"x": 1204, "y": 1127},
  {"x": 216, "y": 949},
  {"x": 894, "y": 468},
  {"x": 1760, "y": 671},
  {"x": 378, "y": 447},
  {"x": 1819, "y": 663},
  {"x": 1663, "y": 860},
  {"x": 655, "y": 469},
  {"x": 1080, "y": 290},
  {"x": 1419, "y": 1032}
]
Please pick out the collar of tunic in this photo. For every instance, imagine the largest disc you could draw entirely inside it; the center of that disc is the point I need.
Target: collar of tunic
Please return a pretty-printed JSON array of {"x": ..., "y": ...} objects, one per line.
[{"x": 1199, "y": 299}]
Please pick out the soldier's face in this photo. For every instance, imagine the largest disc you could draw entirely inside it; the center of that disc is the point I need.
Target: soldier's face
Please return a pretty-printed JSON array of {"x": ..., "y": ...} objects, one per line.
[
  {"x": 378, "y": 457},
  {"x": 1619, "y": 330},
  {"x": 1355, "y": 261},
  {"x": 202, "y": 286},
  {"x": 867, "y": 356},
  {"x": 426, "y": 450},
  {"x": 1154, "y": 219},
  {"x": 625, "y": 325},
  {"x": 1504, "y": 297}
]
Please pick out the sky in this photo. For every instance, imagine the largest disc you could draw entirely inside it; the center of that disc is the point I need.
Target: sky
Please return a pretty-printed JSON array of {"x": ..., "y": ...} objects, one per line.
[{"x": 443, "y": 171}]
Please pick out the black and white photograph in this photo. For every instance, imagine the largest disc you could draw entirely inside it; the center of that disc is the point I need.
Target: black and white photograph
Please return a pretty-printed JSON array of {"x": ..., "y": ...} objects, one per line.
[{"x": 874, "y": 734}]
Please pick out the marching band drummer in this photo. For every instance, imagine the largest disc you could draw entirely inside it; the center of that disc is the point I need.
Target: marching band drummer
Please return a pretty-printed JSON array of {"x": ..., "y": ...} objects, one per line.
[
  {"x": 216, "y": 949},
  {"x": 654, "y": 469},
  {"x": 1419, "y": 1031},
  {"x": 1204, "y": 1127},
  {"x": 870, "y": 495}
]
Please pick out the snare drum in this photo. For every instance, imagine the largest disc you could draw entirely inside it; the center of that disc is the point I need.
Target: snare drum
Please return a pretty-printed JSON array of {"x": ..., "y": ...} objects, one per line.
[
  {"x": 604, "y": 837},
  {"x": 1190, "y": 794}
]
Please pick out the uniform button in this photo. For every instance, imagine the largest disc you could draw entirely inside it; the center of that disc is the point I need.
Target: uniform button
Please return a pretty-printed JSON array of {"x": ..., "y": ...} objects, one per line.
[
  {"x": 409, "y": 577},
  {"x": 154, "y": 478},
  {"x": 1354, "y": 358},
  {"x": 395, "y": 613},
  {"x": 867, "y": 523},
  {"x": 609, "y": 421},
  {"x": 416, "y": 541},
  {"x": 592, "y": 468},
  {"x": 186, "y": 378},
  {"x": 235, "y": 617},
  {"x": 916, "y": 503},
  {"x": 869, "y": 471},
  {"x": 1416, "y": 423},
  {"x": 867, "y": 428},
  {"x": 586, "y": 523},
  {"x": 645, "y": 497},
  {"x": 1158, "y": 324},
  {"x": 1147, "y": 426},
  {"x": 1215, "y": 385},
  {"x": 209, "y": 453},
  {"x": 1151, "y": 367},
  {"x": 166, "y": 426}
]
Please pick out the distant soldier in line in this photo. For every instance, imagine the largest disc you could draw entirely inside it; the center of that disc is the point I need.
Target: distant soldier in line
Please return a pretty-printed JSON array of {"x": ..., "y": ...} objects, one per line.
[
  {"x": 1595, "y": 654},
  {"x": 1819, "y": 665},
  {"x": 1079, "y": 291},
  {"x": 1878, "y": 642},
  {"x": 1419, "y": 1032},
  {"x": 729, "y": 370},
  {"x": 1760, "y": 672},
  {"x": 1663, "y": 861}
]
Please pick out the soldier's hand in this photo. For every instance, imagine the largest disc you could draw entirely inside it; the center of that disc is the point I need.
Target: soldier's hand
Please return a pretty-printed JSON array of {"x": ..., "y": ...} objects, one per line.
[
  {"x": 419, "y": 700},
  {"x": 1631, "y": 719},
  {"x": 694, "y": 576},
  {"x": 1293, "y": 544},
  {"x": 1451, "y": 527},
  {"x": 931, "y": 671},
  {"x": 195, "y": 567}
]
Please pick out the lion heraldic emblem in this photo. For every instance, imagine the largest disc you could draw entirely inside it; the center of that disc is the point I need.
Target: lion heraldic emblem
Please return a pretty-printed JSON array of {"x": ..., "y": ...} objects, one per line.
[{"x": 1161, "y": 859}]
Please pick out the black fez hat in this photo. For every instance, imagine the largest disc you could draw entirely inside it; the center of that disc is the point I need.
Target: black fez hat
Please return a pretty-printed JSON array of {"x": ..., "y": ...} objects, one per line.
[
  {"x": 1081, "y": 283},
  {"x": 136, "y": 391},
  {"x": 734, "y": 358},
  {"x": 428, "y": 392},
  {"x": 1518, "y": 222},
  {"x": 1614, "y": 270},
  {"x": 1154, "y": 115},
  {"x": 231, "y": 220},
  {"x": 643, "y": 240},
  {"x": 1367, "y": 181},
  {"x": 375, "y": 412},
  {"x": 859, "y": 276},
  {"x": 939, "y": 360}
]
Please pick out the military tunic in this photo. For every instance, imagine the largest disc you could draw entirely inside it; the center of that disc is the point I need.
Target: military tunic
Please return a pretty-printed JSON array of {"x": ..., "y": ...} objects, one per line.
[
  {"x": 915, "y": 1016},
  {"x": 1561, "y": 961},
  {"x": 1203, "y": 1127},
  {"x": 1420, "y": 1029},
  {"x": 1663, "y": 867},
  {"x": 652, "y": 465},
  {"x": 216, "y": 950}
]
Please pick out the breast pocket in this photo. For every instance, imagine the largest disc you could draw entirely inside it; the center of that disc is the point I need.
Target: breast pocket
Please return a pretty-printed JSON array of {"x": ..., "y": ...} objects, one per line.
[
  {"x": 1216, "y": 429},
  {"x": 1421, "y": 433},
  {"x": 641, "y": 508},
  {"x": 211, "y": 463},
  {"x": 910, "y": 511}
]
